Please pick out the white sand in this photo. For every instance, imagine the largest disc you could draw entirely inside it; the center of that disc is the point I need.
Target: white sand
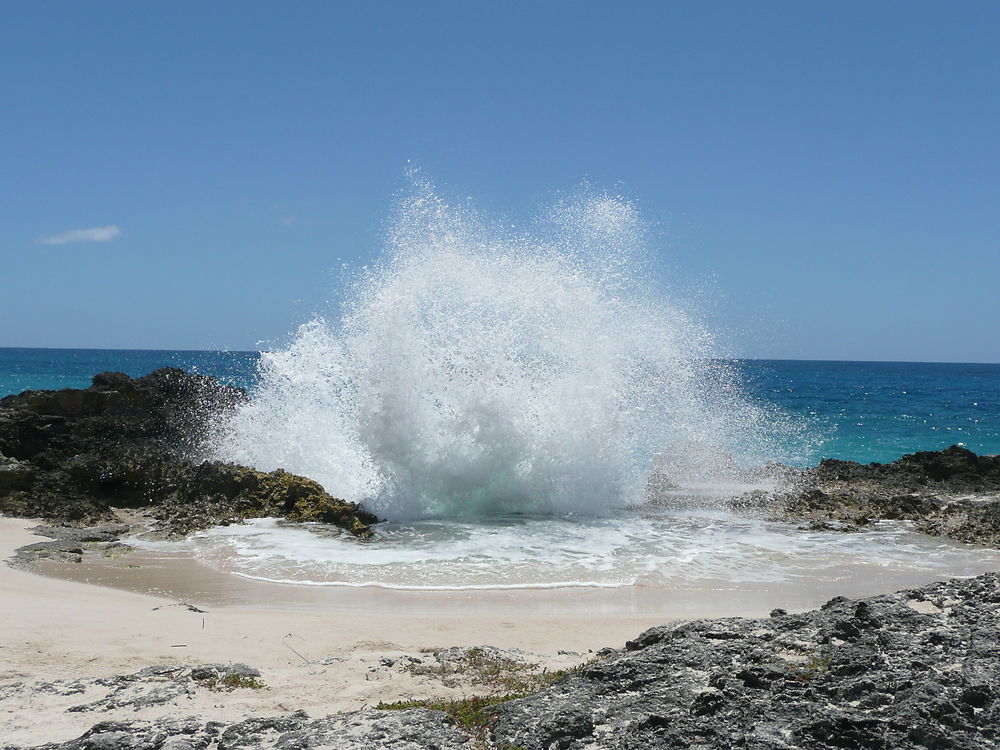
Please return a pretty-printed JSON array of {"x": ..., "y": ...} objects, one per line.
[{"x": 60, "y": 630}]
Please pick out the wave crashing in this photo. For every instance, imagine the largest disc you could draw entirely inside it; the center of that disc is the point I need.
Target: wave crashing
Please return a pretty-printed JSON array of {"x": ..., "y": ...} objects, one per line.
[{"x": 480, "y": 370}]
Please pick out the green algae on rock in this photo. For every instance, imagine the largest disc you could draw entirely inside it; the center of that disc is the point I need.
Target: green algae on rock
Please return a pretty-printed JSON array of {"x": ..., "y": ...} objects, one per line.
[{"x": 215, "y": 493}]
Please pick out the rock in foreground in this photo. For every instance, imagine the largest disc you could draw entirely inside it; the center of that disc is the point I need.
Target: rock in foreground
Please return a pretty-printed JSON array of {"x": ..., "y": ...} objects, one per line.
[
  {"x": 76, "y": 455},
  {"x": 915, "y": 669}
]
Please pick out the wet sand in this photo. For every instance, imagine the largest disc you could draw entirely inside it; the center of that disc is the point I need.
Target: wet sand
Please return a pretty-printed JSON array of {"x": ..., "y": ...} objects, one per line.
[
  {"x": 599, "y": 616},
  {"x": 178, "y": 576}
]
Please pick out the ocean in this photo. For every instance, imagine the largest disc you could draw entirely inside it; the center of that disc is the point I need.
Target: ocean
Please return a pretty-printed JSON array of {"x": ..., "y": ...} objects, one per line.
[
  {"x": 501, "y": 398},
  {"x": 859, "y": 411},
  {"x": 864, "y": 411}
]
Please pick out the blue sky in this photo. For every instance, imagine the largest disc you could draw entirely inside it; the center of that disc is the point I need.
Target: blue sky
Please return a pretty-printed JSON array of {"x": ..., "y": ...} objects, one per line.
[{"x": 824, "y": 177}]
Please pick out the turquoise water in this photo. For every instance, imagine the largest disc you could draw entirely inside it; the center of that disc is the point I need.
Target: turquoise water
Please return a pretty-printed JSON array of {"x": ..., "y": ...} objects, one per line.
[
  {"x": 863, "y": 411},
  {"x": 877, "y": 411}
]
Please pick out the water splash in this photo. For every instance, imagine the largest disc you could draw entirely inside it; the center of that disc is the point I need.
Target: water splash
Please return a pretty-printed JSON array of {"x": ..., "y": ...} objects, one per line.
[{"x": 477, "y": 370}]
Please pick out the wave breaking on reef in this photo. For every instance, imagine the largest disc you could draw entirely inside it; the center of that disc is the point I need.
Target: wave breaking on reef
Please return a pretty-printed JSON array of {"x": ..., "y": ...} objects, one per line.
[{"x": 477, "y": 370}]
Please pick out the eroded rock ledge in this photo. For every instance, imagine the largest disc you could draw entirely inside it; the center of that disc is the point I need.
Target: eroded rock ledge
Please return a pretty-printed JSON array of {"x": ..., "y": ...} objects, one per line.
[
  {"x": 914, "y": 669},
  {"x": 952, "y": 493},
  {"x": 75, "y": 456}
]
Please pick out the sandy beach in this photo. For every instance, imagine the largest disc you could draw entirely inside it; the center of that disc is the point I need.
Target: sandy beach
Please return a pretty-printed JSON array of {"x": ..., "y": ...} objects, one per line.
[{"x": 311, "y": 658}]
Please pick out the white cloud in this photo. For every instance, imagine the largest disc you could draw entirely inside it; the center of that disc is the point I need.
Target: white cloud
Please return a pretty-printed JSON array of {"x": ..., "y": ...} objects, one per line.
[
  {"x": 94, "y": 234},
  {"x": 290, "y": 220}
]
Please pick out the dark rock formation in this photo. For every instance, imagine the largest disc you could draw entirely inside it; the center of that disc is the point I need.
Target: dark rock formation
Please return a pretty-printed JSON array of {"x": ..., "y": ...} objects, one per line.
[
  {"x": 952, "y": 493},
  {"x": 955, "y": 469},
  {"x": 74, "y": 456},
  {"x": 915, "y": 669}
]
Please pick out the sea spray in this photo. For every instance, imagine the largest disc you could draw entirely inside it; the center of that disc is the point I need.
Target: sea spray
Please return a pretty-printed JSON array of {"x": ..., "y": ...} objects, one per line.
[{"x": 476, "y": 370}]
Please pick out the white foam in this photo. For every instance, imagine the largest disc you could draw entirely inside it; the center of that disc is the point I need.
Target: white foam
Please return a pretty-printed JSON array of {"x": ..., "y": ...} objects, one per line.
[
  {"x": 443, "y": 587},
  {"x": 677, "y": 550}
]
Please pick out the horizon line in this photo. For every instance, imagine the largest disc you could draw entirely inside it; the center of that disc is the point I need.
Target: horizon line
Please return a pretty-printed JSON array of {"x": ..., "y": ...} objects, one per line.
[{"x": 730, "y": 359}]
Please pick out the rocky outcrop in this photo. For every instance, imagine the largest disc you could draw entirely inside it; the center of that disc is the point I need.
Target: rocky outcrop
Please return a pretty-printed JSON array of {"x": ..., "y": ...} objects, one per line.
[
  {"x": 952, "y": 493},
  {"x": 955, "y": 470},
  {"x": 915, "y": 669},
  {"x": 74, "y": 456}
]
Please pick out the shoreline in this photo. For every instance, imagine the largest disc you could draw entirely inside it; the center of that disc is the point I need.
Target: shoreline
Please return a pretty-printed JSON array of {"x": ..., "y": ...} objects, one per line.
[
  {"x": 58, "y": 632},
  {"x": 174, "y": 573}
]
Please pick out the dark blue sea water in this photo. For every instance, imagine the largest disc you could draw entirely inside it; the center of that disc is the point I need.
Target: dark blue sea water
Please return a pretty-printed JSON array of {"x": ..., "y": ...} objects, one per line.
[{"x": 863, "y": 411}]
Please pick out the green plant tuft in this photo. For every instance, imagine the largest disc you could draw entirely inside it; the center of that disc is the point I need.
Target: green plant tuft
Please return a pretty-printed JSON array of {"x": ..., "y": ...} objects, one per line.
[
  {"x": 230, "y": 682},
  {"x": 815, "y": 665},
  {"x": 506, "y": 679},
  {"x": 471, "y": 714}
]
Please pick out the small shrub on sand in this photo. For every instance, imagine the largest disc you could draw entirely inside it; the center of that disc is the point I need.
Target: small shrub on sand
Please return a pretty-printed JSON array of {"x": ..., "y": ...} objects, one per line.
[
  {"x": 506, "y": 680},
  {"x": 230, "y": 682},
  {"x": 490, "y": 670}
]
